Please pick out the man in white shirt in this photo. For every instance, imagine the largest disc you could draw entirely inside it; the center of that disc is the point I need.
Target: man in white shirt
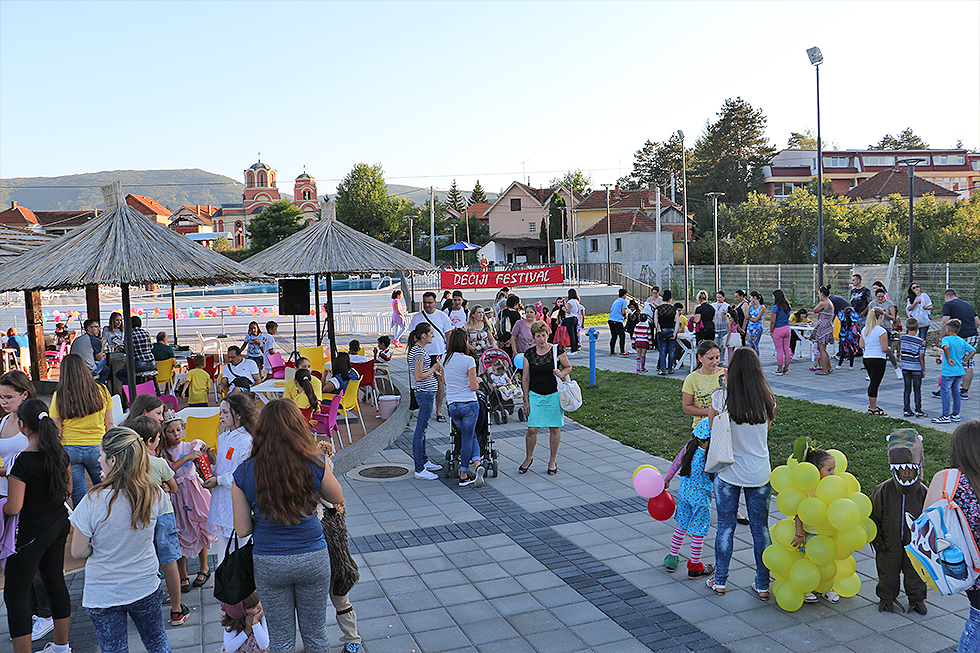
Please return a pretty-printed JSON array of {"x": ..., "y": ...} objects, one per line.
[
  {"x": 437, "y": 348},
  {"x": 456, "y": 312},
  {"x": 238, "y": 368}
]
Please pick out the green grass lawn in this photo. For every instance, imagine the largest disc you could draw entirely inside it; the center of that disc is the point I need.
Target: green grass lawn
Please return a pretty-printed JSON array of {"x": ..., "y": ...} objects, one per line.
[{"x": 645, "y": 412}]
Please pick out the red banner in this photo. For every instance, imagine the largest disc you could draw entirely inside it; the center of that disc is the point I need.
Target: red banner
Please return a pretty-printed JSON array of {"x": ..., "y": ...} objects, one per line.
[{"x": 510, "y": 278}]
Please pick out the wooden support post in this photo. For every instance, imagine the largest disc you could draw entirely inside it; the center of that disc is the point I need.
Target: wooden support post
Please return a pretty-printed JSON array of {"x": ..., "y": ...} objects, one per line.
[
  {"x": 35, "y": 335},
  {"x": 92, "y": 302}
]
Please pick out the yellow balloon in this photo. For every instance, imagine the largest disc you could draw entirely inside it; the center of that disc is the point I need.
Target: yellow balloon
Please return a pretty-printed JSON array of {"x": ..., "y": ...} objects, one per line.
[
  {"x": 788, "y": 501},
  {"x": 788, "y": 597},
  {"x": 776, "y": 584},
  {"x": 829, "y": 572},
  {"x": 870, "y": 529},
  {"x": 843, "y": 551},
  {"x": 849, "y": 586},
  {"x": 783, "y": 532},
  {"x": 853, "y": 485},
  {"x": 821, "y": 550},
  {"x": 843, "y": 514},
  {"x": 780, "y": 478},
  {"x": 812, "y": 511},
  {"x": 862, "y": 502},
  {"x": 792, "y": 462},
  {"x": 825, "y": 586},
  {"x": 805, "y": 476},
  {"x": 841, "y": 460},
  {"x": 778, "y": 559},
  {"x": 831, "y": 488},
  {"x": 845, "y": 567},
  {"x": 826, "y": 529},
  {"x": 637, "y": 470},
  {"x": 804, "y": 576},
  {"x": 853, "y": 539}
]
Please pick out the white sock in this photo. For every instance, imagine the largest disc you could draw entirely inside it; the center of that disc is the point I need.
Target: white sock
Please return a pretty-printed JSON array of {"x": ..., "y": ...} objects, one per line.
[{"x": 60, "y": 648}]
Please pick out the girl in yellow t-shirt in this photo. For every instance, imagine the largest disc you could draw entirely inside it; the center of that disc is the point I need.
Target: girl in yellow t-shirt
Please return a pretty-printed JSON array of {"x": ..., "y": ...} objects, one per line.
[
  {"x": 304, "y": 391},
  {"x": 82, "y": 410},
  {"x": 704, "y": 380}
]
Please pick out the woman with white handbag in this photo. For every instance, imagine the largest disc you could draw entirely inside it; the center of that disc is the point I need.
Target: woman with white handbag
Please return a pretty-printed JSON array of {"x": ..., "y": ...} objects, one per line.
[{"x": 544, "y": 365}]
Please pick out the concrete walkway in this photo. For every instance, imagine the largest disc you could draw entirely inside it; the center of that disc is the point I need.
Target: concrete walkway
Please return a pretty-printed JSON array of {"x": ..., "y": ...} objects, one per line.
[{"x": 570, "y": 562}]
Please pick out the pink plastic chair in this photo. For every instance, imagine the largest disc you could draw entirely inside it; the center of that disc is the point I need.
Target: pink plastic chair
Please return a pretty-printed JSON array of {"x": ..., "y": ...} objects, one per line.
[
  {"x": 277, "y": 366},
  {"x": 326, "y": 424},
  {"x": 171, "y": 401},
  {"x": 54, "y": 358},
  {"x": 148, "y": 388}
]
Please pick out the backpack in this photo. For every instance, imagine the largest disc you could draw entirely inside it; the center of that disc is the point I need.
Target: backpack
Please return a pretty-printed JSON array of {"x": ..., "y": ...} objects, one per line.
[{"x": 942, "y": 549}]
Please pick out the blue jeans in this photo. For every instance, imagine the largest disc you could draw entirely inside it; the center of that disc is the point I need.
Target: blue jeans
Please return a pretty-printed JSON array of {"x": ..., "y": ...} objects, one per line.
[
  {"x": 923, "y": 332},
  {"x": 399, "y": 329},
  {"x": 82, "y": 459},
  {"x": 665, "y": 345},
  {"x": 970, "y": 639},
  {"x": 726, "y": 503},
  {"x": 101, "y": 372},
  {"x": 110, "y": 625},
  {"x": 754, "y": 338},
  {"x": 950, "y": 385},
  {"x": 426, "y": 401},
  {"x": 463, "y": 414}
]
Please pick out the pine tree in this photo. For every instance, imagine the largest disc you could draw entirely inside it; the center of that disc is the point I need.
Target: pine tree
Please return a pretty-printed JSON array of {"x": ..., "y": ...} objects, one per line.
[
  {"x": 454, "y": 200},
  {"x": 653, "y": 165},
  {"x": 478, "y": 195},
  {"x": 906, "y": 140}
]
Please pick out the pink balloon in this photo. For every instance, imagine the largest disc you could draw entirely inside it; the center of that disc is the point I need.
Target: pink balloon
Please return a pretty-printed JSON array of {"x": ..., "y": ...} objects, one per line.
[{"x": 648, "y": 483}]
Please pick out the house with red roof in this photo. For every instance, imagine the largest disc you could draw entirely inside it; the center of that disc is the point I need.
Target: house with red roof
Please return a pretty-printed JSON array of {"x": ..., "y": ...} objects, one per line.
[
  {"x": 149, "y": 207},
  {"x": 55, "y": 223},
  {"x": 19, "y": 217},
  {"x": 631, "y": 238},
  {"x": 895, "y": 181}
]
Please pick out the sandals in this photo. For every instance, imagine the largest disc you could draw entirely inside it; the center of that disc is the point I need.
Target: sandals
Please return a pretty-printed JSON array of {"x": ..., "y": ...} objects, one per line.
[
  {"x": 552, "y": 472},
  {"x": 763, "y": 594},
  {"x": 199, "y": 582},
  {"x": 440, "y": 418},
  {"x": 877, "y": 411},
  {"x": 715, "y": 587},
  {"x": 522, "y": 469}
]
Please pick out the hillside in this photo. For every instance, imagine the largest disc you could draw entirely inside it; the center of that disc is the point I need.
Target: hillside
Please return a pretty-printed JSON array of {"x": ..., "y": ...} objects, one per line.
[{"x": 172, "y": 188}]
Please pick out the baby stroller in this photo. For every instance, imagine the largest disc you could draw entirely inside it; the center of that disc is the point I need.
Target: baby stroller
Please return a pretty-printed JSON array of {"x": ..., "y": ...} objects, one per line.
[
  {"x": 488, "y": 455},
  {"x": 503, "y": 402}
]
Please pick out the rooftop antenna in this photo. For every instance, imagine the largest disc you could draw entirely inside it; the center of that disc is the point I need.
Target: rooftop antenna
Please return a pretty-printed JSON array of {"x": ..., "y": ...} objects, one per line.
[{"x": 523, "y": 173}]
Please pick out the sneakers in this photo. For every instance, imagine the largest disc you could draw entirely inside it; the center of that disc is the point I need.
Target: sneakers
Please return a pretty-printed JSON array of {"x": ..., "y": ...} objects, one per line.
[
  {"x": 921, "y": 413},
  {"x": 831, "y": 596},
  {"x": 42, "y": 626},
  {"x": 178, "y": 618},
  {"x": 464, "y": 482},
  {"x": 937, "y": 393},
  {"x": 671, "y": 562},
  {"x": 942, "y": 419},
  {"x": 432, "y": 467},
  {"x": 955, "y": 417},
  {"x": 352, "y": 647},
  {"x": 49, "y": 647},
  {"x": 908, "y": 413},
  {"x": 426, "y": 475},
  {"x": 964, "y": 394},
  {"x": 700, "y": 570},
  {"x": 480, "y": 473}
]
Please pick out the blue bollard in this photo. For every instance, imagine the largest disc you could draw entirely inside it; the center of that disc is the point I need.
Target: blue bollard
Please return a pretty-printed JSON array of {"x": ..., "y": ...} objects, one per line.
[{"x": 593, "y": 336}]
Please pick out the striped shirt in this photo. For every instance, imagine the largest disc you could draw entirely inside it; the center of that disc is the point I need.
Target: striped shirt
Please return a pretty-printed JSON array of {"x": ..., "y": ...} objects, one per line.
[
  {"x": 429, "y": 384},
  {"x": 912, "y": 346}
]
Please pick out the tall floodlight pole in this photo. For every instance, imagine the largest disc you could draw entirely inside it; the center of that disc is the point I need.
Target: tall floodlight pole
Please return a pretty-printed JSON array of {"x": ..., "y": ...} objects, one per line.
[
  {"x": 816, "y": 58},
  {"x": 608, "y": 239},
  {"x": 714, "y": 201},
  {"x": 911, "y": 163},
  {"x": 432, "y": 223},
  {"x": 411, "y": 233},
  {"x": 687, "y": 281}
]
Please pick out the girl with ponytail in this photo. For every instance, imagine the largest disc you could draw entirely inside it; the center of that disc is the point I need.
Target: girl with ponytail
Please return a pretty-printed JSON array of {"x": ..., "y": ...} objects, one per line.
[{"x": 38, "y": 484}]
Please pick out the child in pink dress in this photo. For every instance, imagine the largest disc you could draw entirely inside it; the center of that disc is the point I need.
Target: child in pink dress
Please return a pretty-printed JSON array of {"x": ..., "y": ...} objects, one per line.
[{"x": 191, "y": 502}]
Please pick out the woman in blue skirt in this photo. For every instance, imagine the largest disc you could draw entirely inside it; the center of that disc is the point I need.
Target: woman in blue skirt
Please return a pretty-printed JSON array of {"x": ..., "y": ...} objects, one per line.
[{"x": 541, "y": 393}]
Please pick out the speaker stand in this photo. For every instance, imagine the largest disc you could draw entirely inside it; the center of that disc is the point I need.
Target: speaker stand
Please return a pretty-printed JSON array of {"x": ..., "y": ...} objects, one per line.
[{"x": 295, "y": 355}]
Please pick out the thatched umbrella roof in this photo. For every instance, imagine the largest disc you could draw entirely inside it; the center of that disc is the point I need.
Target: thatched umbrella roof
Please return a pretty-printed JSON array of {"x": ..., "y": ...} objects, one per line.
[
  {"x": 332, "y": 247},
  {"x": 120, "y": 246},
  {"x": 15, "y": 241}
]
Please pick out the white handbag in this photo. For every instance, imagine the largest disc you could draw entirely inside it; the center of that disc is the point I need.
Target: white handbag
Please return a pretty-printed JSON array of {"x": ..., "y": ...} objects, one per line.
[
  {"x": 720, "y": 453},
  {"x": 569, "y": 394}
]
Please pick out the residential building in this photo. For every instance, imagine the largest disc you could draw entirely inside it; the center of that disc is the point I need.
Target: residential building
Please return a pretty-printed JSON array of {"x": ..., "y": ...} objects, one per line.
[
  {"x": 150, "y": 208},
  {"x": 196, "y": 219},
  {"x": 631, "y": 239},
  {"x": 520, "y": 210},
  {"x": 895, "y": 181},
  {"x": 956, "y": 170},
  {"x": 502, "y": 251},
  {"x": 56, "y": 223}
]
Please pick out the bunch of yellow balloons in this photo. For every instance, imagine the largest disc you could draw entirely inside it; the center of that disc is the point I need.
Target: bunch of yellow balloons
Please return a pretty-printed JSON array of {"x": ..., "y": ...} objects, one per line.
[{"x": 839, "y": 513}]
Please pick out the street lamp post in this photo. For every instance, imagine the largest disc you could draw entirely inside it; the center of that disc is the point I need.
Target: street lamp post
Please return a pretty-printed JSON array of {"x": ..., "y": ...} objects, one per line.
[
  {"x": 714, "y": 201},
  {"x": 687, "y": 281},
  {"x": 911, "y": 163},
  {"x": 816, "y": 58},
  {"x": 411, "y": 234}
]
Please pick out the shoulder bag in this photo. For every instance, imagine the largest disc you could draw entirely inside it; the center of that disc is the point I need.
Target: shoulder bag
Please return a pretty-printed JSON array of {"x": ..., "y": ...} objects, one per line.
[
  {"x": 720, "y": 454},
  {"x": 569, "y": 394},
  {"x": 234, "y": 579}
]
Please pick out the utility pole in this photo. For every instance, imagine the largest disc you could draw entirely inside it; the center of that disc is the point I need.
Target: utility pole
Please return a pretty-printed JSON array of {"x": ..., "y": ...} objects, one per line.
[
  {"x": 687, "y": 281},
  {"x": 659, "y": 266},
  {"x": 432, "y": 224},
  {"x": 608, "y": 238}
]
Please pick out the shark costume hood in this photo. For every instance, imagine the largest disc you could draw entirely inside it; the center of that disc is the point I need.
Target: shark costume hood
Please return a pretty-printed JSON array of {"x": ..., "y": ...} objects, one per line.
[{"x": 905, "y": 452}]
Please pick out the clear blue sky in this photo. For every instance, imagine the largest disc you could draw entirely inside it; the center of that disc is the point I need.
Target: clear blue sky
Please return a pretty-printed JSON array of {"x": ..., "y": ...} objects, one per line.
[{"x": 437, "y": 90}]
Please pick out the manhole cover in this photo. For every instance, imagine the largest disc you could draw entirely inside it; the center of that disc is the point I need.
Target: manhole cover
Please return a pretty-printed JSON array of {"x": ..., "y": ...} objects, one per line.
[{"x": 383, "y": 471}]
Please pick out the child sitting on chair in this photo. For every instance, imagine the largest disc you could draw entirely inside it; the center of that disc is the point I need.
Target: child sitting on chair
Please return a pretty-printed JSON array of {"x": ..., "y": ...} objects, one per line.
[{"x": 508, "y": 390}]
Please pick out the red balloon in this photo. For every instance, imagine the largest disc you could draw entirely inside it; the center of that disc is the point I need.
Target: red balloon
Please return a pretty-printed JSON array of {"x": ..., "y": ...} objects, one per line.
[{"x": 661, "y": 507}]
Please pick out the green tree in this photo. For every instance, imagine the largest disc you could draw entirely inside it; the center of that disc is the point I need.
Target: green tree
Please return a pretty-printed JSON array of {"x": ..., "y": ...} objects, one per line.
[
  {"x": 653, "y": 165},
  {"x": 363, "y": 202},
  {"x": 277, "y": 221},
  {"x": 221, "y": 244},
  {"x": 730, "y": 153},
  {"x": 454, "y": 200},
  {"x": 906, "y": 140},
  {"x": 478, "y": 195},
  {"x": 574, "y": 179}
]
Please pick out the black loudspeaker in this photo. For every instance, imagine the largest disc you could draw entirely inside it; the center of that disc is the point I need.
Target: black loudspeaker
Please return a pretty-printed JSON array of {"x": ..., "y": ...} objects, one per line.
[{"x": 294, "y": 297}]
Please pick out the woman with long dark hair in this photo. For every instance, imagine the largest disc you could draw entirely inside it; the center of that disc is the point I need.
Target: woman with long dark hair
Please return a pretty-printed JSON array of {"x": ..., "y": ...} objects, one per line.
[
  {"x": 823, "y": 331},
  {"x": 573, "y": 322},
  {"x": 874, "y": 341},
  {"x": 780, "y": 330},
  {"x": 459, "y": 371},
  {"x": 37, "y": 486},
  {"x": 919, "y": 305},
  {"x": 304, "y": 391},
  {"x": 425, "y": 370},
  {"x": 751, "y": 406},
  {"x": 113, "y": 527},
  {"x": 81, "y": 408},
  {"x": 275, "y": 494},
  {"x": 342, "y": 372}
]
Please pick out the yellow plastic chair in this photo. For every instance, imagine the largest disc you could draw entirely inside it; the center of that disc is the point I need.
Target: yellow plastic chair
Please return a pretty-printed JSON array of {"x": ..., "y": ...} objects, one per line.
[
  {"x": 316, "y": 357},
  {"x": 203, "y": 428},
  {"x": 165, "y": 374},
  {"x": 348, "y": 402}
]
